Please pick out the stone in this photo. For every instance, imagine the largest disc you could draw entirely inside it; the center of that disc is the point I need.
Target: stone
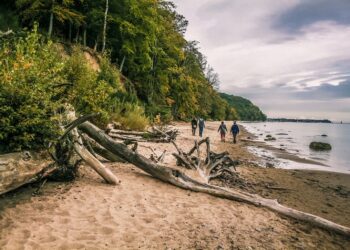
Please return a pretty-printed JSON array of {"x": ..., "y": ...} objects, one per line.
[{"x": 320, "y": 146}]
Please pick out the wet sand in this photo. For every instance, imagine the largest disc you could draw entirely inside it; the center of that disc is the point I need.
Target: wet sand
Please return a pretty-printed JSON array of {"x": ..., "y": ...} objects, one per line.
[{"x": 145, "y": 213}]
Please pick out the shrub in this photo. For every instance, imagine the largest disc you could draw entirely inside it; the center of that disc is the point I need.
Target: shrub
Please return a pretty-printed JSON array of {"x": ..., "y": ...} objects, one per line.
[
  {"x": 27, "y": 109},
  {"x": 36, "y": 80},
  {"x": 130, "y": 116},
  {"x": 88, "y": 94}
]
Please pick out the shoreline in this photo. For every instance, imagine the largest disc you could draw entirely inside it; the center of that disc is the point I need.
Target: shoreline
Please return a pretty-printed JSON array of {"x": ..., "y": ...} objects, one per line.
[
  {"x": 321, "y": 192},
  {"x": 284, "y": 154},
  {"x": 89, "y": 214},
  {"x": 292, "y": 141}
]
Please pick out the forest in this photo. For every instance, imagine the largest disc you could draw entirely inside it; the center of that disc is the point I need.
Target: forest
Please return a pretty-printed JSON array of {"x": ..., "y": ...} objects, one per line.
[
  {"x": 147, "y": 70},
  {"x": 246, "y": 110}
]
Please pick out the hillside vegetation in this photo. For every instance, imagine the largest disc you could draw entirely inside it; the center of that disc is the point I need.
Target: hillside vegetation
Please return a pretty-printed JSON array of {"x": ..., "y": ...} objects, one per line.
[
  {"x": 146, "y": 68},
  {"x": 246, "y": 110}
]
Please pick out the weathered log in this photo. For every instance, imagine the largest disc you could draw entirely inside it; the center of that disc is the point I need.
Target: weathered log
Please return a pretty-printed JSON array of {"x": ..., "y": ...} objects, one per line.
[
  {"x": 18, "y": 169},
  {"x": 181, "y": 180},
  {"x": 103, "y": 171},
  {"x": 213, "y": 166},
  {"x": 157, "y": 135},
  {"x": 154, "y": 156},
  {"x": 102, "y": 151},
  {"x": 127, "y": 138},
  {"x": 124, "y": 132}
]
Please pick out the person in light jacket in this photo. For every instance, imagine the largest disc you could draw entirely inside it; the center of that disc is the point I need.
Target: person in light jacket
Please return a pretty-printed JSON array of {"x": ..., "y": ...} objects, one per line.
[{"x": 223, "y": 130}]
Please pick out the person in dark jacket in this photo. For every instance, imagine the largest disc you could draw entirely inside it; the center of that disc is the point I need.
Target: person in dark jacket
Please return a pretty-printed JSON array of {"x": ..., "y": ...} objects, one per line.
[
  {"x": 234, "y": 131},
  {"x": 201, "y": 125},
  {"x": 223, "y": 130},
  {"x": 194, "y": 125}
]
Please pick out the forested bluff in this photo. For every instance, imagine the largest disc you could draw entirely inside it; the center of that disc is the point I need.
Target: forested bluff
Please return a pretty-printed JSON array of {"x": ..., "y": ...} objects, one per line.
[{"x": 125, "y": 59}]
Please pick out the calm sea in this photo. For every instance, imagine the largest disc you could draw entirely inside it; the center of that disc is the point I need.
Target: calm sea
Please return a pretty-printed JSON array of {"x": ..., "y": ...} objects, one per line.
[{"x": 296, "y": 137}]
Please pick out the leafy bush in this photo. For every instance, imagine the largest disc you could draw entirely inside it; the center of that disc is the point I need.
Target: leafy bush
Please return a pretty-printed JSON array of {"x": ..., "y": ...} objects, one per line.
[
  {"x": 27, "y": 109},
  {"x": 37, "y": 79},
  {"x": 130, "y": 115},
  {"x": 88, "y": 94}
]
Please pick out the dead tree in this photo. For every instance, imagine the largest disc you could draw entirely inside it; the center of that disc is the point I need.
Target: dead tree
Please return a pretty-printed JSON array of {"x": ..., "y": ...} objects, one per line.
[
  {"x": 213, "y": 166},
  {"x": 18, "y": 169},
  {"x": 170, "y": 175},
  {"x": 179, "y": 179},
  {"x": 60, "y": 162},
  {"x": 155, "y": 135}
]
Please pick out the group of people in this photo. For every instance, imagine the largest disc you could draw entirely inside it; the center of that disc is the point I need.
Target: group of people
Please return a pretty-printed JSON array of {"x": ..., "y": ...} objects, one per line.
[{"x": 222, "y": 129}]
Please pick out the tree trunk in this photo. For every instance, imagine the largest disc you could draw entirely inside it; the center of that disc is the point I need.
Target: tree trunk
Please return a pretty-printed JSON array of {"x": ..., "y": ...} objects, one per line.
[
  {"x": 84, "y": 37},
  {"x": 181, "y": 180},
  {"x": 104, "y": 172},
  {"x": 122, "y": 65},
  {"x": 18, "y": 169},
  {"x": 104, "y": 28},
  {"x": 50, "y": 24},
  {"x": 77, "y": 35},
  {"x": 96, "y": 45},
  {"x": 70, "y": 32}
]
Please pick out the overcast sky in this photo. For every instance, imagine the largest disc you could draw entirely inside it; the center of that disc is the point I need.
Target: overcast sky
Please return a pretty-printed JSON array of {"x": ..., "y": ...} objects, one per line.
[{"x": 290, "y": 57}]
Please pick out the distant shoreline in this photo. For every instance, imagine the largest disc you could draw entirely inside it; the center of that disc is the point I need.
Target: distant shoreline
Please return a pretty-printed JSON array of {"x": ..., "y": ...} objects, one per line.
[{"x": 298, "y": 120}]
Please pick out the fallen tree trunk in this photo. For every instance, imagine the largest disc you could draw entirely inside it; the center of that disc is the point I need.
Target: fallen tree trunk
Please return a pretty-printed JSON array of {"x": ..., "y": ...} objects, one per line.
[
  {"x": 101, "y": 151},
  {"x": 181, "y": 180},
  {"x": 18, "y": 169},
  {"x": 103, "y": 171},
  {"x": 124, "y": 132},
  {"x": 157, "y": 135}
]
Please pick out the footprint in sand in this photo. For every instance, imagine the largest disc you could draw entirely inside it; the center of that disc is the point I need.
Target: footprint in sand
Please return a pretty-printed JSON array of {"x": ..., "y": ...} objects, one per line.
[
  {"x": 64, "y": 221},
  {"x": 106, "y": 230},
  {"x": 148, "y": 220},
  {"x": 86, "y": 236}
]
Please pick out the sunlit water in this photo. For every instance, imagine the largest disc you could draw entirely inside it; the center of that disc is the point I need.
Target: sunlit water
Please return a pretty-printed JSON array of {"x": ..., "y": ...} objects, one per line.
[{"x": 296, "y": 138}]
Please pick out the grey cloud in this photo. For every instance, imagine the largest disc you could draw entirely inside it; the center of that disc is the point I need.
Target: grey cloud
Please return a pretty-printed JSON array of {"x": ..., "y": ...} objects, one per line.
[
  {"x": 308, "y": 12},
  {"x": 326, "y": 91},
  {"x": 282, "y": 91}
]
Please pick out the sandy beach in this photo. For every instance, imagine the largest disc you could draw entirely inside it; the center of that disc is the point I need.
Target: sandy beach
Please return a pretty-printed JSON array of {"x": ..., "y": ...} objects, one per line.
[{"x": 145, "y": 213}]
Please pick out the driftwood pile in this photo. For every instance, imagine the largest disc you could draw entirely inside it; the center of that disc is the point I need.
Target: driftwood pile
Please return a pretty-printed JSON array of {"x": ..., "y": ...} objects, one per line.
[
  {"x": 158, "y": 135},
  {"x": 81, "y": 133},
  {"x": 212, "y": 166}
]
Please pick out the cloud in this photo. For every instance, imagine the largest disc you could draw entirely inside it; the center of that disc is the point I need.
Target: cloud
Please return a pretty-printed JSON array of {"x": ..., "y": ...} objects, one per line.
[
  {"x": 276, "y": 48},
  {"x": 327, "y": 91},
  {"x": 308, "y": 12}
]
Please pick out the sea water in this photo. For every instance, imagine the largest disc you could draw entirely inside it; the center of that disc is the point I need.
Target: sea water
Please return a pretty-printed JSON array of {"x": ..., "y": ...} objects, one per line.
[{"x": 296, "y": 138}]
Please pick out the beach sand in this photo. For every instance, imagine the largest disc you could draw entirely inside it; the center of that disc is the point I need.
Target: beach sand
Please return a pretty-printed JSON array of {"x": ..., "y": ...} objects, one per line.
[{"x": 144, "y": 213}]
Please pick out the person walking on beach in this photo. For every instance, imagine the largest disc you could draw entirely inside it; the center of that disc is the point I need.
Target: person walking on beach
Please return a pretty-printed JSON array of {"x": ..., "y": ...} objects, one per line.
[
  {"x": 234, "y": 131},
  {"x": 201, "y": 126},
  {"x": 194, "y": 125},
  {"x": 223, "y": 130}
]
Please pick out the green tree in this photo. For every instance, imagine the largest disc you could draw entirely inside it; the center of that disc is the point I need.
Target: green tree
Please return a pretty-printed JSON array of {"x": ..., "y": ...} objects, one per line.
[{"x": 43, "y": 10}]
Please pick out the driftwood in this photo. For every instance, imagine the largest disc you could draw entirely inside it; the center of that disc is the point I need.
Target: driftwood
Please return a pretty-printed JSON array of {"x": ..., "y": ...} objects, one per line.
[
  {"x": 96, "y": 149},
  {"x": 158, "y": 135},
  {"x": 18, "y": 169},
  {"x": 212, "y": 165},
  {"x": 77, "y": 140},
  {"x": 181, "y": 180},
  {"x": 92, "y": 161}
]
